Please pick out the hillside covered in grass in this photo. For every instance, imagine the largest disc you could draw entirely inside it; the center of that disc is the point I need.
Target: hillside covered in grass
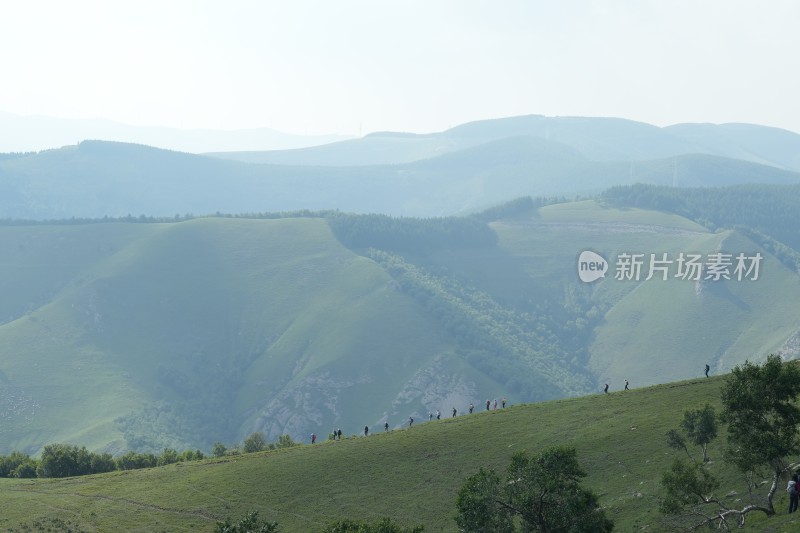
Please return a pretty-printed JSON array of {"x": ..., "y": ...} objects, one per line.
[
  {"x": 135, "y": 335},
  {"x": 411, "y": 475}
]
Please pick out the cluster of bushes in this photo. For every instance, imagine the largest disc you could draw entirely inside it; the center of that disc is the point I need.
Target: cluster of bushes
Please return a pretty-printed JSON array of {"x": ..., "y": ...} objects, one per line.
[
  {"x": 66, "y": 460},
  {"x": 256, "y": 442},
  {"x": 251, "y": 524},
  {"x": 404, "y": 234}
]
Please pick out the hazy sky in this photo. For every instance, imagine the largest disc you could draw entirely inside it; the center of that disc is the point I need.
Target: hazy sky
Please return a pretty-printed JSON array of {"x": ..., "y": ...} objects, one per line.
[{"x": 352, "y": 66}]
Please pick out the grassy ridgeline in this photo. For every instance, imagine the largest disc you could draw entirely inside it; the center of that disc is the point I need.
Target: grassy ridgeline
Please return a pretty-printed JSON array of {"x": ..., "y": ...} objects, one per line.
[{"x": 411, "y": 475}]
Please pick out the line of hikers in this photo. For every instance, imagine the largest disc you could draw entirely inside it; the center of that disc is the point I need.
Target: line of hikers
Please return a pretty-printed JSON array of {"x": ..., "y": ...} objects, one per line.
[
  {"x": 337, "y": 433},
  {"x": 627, "y": 384}
]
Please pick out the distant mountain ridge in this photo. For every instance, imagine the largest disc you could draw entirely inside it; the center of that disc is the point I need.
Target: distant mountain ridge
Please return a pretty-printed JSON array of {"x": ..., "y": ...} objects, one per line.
[
  {"x": 463, "y": 170},
  {"x": 35, "y": 133},
  {"x": 595, "y": 137}
]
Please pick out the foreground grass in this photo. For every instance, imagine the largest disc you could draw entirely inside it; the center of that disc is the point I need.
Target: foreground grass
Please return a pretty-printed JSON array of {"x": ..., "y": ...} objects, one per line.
[{"x": 410, "y": 475}]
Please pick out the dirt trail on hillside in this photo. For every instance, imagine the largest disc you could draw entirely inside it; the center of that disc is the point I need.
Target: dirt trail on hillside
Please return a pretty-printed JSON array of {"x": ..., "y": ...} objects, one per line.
[{"x": 128, "y": 501}]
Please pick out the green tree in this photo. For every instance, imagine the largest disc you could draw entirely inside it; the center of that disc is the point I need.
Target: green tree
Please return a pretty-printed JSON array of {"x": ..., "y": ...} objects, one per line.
[
  {"x": 27, "y": 469},
  {"x": 689, "y": 486},
  {"x": 167, "y": 457},
  {"x": 101, "y": 462},
  {"x": 760, "y": 408},
  {"x": 479, "y": 504},
  {"x": 255, "y": 442},
  {"x": 384, "y": 525},
  {"x": 10, "y": 462},
  {"x": 132, "y": 461},
  {"x": 218, "y": 449},
  {"x": 189, "y": 455},
  {"x": 285, "y": 441},
  {"x": 543, "y": 491},
  {"x": 248, "y": 524},
  {"x": 63, "y": 460},
  {"x": 700, "y": 427}
]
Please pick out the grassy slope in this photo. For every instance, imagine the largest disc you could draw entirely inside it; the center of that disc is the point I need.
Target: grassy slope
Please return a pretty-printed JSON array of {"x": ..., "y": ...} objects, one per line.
[
  {"x": 412, "y": 475},
  {"x": 263, "y": 303},
  {"x": 722, "y": 325},
  {"x": 47, "y": 370},
  {"x": 104, "y": 320}
]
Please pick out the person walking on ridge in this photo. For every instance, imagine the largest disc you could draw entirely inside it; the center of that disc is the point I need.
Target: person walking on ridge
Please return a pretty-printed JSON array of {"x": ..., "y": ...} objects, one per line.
[
  {"x": 793, "y": 496},
  {"x": 626, "y": 384},
  {"x": 707, "y": 369},
  {"x": 454, "y": 412}
]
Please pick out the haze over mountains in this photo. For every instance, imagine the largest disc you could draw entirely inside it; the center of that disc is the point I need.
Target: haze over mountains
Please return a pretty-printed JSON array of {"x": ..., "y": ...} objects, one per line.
[
  {"x": 190, "y": 330},
  {"x": 601, "y": 139},
  {"x": 35, "y": 133},
  {"x": 462, "y": 170}
]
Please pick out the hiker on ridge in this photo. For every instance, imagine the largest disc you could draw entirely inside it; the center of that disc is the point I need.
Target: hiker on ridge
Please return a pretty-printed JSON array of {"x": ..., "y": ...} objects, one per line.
[{"x": 793, "y": 496}]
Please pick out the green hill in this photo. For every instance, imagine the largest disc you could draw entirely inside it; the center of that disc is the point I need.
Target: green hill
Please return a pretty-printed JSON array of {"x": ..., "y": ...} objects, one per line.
[
  {"x": 411, "y": 475},
  {"x": 686, "y": 323},
  {"x": 181, "y": 334},
  {"x": 135, "y": 335}
]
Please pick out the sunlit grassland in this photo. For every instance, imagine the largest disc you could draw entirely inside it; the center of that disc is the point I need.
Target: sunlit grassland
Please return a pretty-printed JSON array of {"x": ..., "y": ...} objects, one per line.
[{"x": 411, "y": 475}]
